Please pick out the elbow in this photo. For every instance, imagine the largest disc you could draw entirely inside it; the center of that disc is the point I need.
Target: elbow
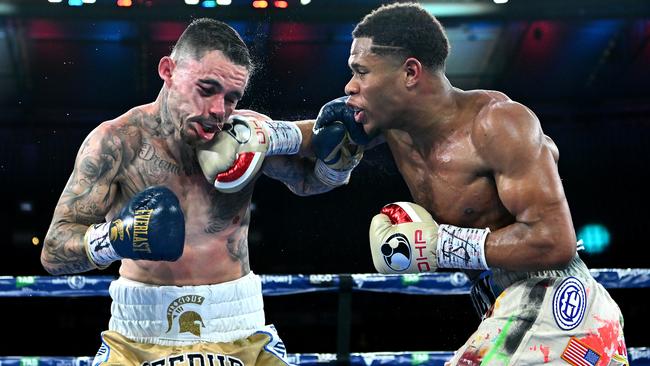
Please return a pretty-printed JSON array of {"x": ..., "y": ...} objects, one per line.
[
  {"x": 299, "y": 192},
  {"x": 47, "y": 256},
  {"x": 305, "y": 189},
  {"x": 49, "y": 269},
  {"x": 561, "y": 254}
]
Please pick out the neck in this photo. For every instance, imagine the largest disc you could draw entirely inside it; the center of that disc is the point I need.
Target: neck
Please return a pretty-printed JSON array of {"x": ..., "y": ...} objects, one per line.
[
  {"x": 432, "y": 110},
  {"x": 164, "y": 127}
]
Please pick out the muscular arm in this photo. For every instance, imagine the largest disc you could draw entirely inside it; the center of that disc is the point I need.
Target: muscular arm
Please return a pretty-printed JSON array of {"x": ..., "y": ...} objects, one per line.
[
  {"x": 297, "y": 171},
  {"x": 523, "y": 160},
  {"x": 85, "y": 200}
]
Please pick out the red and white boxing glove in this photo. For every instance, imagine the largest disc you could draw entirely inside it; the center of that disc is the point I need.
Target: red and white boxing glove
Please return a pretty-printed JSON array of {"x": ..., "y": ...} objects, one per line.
[
  {"x": 232, "y": 159},
  {"x": 404, "y": 238}
]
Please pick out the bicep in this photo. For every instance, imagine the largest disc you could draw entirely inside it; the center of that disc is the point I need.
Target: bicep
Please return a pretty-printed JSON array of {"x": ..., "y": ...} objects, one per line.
[
  {"x": 531, "y": 188},
  {"x": 91, "y": 187}
]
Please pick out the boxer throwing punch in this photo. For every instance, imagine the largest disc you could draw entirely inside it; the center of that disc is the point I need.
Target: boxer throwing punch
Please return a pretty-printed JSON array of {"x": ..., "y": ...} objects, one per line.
[
  {"x": 487, "y": 195},
  {"x": 166, "y": 189}
]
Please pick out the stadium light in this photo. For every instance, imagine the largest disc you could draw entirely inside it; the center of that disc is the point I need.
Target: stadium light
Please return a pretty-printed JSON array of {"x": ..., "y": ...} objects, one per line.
[
  {"x": 280, "y": 4},
  {"x": 596, "y": 238}
]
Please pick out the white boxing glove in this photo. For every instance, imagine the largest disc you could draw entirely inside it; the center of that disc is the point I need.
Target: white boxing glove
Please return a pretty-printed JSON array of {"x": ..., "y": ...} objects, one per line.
[
  {"x": 232, "y": 159},
  {"x": 404, "y": 238}
]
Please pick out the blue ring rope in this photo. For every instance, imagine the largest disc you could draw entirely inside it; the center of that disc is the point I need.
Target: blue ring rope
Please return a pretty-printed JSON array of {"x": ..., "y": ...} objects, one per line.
[
  {"x": 452, "y": 283},
  {"x": 445, "y": 283}
]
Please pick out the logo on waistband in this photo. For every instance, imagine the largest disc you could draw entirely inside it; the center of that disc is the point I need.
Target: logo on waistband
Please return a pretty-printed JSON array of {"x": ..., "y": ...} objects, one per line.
[
  {"x": 569, "y": 303},
  {"x": 182, "y": 311},
  {"x": 397, "y": 252}
]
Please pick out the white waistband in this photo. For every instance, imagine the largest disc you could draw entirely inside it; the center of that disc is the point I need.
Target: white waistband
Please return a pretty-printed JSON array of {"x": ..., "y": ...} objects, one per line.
[{"x": 181, "y": 315}]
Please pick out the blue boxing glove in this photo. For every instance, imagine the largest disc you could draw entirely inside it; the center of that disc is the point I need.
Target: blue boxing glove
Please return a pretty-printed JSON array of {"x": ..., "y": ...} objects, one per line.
[
  {"x": 337, "y": 156},
  {"x": 151, "y": 227},
  {"x": 337, "y": 142},
  {"x": 337, "y": 111}
]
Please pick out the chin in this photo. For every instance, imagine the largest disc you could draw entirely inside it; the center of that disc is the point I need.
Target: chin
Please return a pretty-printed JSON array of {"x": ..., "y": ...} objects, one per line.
[
  {"x": 371, "y": 129},
  {"x": 191, "y": 139}
]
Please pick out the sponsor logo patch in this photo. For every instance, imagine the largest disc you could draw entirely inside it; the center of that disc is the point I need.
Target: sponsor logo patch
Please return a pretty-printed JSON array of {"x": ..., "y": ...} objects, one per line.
[{"x": 569, "y": 303}]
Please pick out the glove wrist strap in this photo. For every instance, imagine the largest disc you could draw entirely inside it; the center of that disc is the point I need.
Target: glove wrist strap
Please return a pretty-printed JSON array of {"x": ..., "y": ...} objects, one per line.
[
  {"x": 462, "y": 248},
  {"x": 98, "y": 245},
  {"x": 285, "y": 138},
  {"x": 329, "y": 176}
]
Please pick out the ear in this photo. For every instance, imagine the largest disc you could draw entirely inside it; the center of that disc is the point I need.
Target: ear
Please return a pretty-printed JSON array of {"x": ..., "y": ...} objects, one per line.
[
  {"x": 412, "y": 72},
  {"x": 166, "y": 69}
]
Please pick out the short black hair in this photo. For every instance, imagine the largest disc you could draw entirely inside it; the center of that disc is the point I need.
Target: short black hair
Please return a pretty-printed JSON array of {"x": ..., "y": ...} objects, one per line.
[
  {"x": 205, "y": 34},
  {"x": 405, "y": 30}
]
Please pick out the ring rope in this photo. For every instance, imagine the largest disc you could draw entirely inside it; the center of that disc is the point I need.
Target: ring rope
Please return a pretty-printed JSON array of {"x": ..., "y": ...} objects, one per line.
[{"x": 445, "y": 283}]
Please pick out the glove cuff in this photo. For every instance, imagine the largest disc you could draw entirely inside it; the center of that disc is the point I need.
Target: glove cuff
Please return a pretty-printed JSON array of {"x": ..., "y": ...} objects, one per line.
[
  {"x": 329, "y": 176},
  {"x": 99, "y": 249},
  {"x": 285, "y": 138},
  {"x": 462, "y": 248}
]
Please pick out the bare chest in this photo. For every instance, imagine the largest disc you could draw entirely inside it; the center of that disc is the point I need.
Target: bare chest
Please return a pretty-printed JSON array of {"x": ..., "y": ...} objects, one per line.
[
  {"x": 207, "y": 212},
  {"x": 451, "y": 182}
]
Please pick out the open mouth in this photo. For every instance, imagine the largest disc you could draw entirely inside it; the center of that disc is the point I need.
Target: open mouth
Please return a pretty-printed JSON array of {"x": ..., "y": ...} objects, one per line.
[
  {"x": 207, "y": 130},
  {"x": 211, "y": 127},
  {"x": 359, "y": 115}
]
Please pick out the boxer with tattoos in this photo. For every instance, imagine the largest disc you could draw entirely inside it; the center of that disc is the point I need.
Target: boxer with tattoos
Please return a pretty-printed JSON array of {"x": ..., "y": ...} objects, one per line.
[{"x": 139, "y": 194}]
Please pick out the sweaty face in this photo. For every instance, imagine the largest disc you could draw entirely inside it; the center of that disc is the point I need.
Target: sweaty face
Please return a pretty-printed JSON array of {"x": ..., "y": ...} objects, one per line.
[
  {"x": 374, "y": 87},
  {"x": 203, "y": 94}
]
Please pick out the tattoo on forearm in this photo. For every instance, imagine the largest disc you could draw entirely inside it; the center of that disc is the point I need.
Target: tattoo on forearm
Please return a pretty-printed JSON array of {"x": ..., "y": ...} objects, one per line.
[
  {"x": 85, "y": 200},
  {"x": 66, "y": 254},
  {"x": 87, "y": 193}
]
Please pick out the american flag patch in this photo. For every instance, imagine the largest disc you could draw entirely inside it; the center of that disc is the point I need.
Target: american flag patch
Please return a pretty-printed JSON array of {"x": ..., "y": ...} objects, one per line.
[{"x": 578, "y": 354}]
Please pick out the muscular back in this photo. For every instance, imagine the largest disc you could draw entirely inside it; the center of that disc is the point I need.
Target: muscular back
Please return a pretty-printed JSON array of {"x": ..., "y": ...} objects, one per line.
[
  {"x": 449, "y": 176},
  {"x": 126, "y": 155}
]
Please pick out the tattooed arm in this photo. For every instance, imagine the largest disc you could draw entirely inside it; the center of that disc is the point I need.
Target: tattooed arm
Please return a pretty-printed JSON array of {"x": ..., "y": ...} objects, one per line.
[
  {"x": 297, "y": 171},
  {"x": 85, "y": 200}
]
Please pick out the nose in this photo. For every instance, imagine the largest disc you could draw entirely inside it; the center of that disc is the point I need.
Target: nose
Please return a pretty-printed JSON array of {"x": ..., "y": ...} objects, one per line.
[
  {"x": 216, "y": 108},
  {"x": 351, "y": 87}
]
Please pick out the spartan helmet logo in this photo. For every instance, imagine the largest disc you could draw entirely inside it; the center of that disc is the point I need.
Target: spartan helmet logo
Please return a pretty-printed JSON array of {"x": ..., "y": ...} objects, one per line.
[
  {"x": 181, "y": 311},
  {"x": 191, "y": 322}
]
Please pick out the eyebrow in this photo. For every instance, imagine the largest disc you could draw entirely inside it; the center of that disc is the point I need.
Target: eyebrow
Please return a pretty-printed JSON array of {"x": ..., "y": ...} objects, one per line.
[
  {"x": 215, "y": 83},
  {"x": 355, "y": 66},
  {"x": 212, "y": 82}
]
